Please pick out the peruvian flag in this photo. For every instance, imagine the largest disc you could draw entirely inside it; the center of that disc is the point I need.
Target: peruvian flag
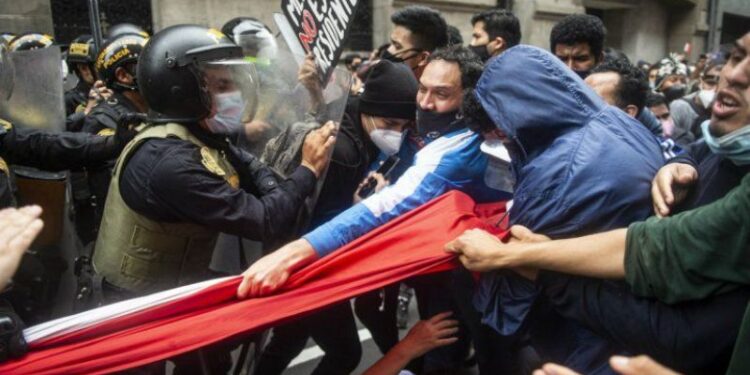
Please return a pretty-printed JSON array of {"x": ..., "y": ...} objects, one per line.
[{"x": 140, "y": 331}]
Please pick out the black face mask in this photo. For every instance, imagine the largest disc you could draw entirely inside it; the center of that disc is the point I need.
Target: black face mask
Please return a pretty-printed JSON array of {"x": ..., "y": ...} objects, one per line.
[
  {"x": 583, "y": 73},
  {"x": 432, "y": 125},
  {"x": 674, "y": 92},
  {"x": 481, "y": 51},
  {"x": 387, "y": 55}
]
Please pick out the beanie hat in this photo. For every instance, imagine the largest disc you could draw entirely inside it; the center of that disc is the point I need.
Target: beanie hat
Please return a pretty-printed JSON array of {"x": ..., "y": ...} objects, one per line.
[
  {"x": 390, "y": 91},
  {"x": 669, "y": 66}
]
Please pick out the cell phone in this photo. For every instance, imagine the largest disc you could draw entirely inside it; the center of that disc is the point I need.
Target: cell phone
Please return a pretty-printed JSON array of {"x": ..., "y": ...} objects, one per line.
[{"x": 384, "y": 169}]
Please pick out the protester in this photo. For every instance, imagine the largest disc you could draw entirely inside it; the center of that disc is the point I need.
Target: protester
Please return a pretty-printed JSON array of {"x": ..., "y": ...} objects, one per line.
[
  {"x": 671, "y": 78},
  {"x": 578, "y": 40},
  {"x": 613, "y": 312},
  {"x": 494, "y": 31},
  {"x": 658, "y": 105},
  {"x": 553, "y": 116},
  {"x": 690, "y": 111},
  {"x": 417, "y": 31},
  {"x": 19, "y": 228}
]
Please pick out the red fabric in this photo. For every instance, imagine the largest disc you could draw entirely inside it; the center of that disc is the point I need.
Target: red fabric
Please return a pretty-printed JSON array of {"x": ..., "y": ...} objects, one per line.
[{"x": 409, "y": 245}]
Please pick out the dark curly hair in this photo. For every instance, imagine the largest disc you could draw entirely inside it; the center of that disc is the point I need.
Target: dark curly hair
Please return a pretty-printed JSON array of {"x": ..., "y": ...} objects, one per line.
[
  {"x": 428, "y": 28},
  {"x": 632, "y": 89},
  {"x": 500, "y": 23},
  {"x": 468, "y": 63},
  {"x": 454, "y": 36},
  {"x": 579, "y": 28},
  {"x": 474, "y": 114}
]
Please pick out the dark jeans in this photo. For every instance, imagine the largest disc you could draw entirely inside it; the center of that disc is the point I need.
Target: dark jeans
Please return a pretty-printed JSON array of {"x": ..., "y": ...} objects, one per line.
[
  {"x": 433, "y": 293},
  {"x": 694, "y": 337},
  {"x": 333, "y": 329}
]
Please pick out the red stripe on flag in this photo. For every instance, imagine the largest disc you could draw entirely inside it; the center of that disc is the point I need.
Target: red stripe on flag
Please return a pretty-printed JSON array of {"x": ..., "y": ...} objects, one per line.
[{"x": 409, "y": 245}]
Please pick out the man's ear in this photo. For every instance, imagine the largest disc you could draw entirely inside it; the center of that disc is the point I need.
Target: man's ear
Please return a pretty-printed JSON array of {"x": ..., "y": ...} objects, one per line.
[
  {"x": 423, "y": 58},
  {"x": 632, "y": 111},
  {"x": 498, "y": 45}
]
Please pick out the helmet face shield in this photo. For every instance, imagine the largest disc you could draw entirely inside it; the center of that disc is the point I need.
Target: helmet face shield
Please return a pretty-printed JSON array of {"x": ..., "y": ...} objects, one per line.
[
  {"x": 260, "y": 44},
  {"x": 6, "y": 73},
  {"x": 231, "y": 89}
]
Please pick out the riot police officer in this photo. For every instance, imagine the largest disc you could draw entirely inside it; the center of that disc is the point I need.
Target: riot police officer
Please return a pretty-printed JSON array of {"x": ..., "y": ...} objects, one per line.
[
  {"x": 255, "y": 38},
  {"x": 80, "y": 60},
  {"x": 178, "y": 183},
  {"x": 30, "y": 41},
  {"x": 115, "y": 66},
  {"x": 120, "y": 29}
]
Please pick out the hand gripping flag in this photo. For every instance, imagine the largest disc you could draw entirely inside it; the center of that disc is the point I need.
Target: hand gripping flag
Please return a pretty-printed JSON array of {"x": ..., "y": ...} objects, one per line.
[{"x": 140, "y": 331}]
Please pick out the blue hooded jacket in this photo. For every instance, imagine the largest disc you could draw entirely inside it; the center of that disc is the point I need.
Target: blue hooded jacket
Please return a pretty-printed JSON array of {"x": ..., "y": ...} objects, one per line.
[{"x": 581, "y": 166}]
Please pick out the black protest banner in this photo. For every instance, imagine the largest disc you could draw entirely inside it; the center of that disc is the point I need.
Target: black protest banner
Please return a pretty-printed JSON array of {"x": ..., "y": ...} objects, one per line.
[{"x": 321, "y": 27}]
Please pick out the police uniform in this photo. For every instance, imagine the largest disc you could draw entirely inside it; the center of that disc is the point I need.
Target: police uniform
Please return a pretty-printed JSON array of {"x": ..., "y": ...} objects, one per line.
[
  {"x": 36, "y": 280},
  {"x": 171, "y": 194}
]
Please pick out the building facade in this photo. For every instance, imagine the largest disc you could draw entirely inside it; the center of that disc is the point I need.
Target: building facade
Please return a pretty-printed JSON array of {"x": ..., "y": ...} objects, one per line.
[{"x": 643, "y": 29}]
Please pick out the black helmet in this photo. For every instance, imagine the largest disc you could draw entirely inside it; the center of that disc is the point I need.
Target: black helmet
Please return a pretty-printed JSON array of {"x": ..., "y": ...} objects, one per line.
[
  {"x": 117, "y": 53},
  {"x": 125, "y": 28},
  {"x": 255, "y": 38},
  {"x": 81, "y": 50},
  {"x": 29, "y": 41},
  {"x": 170, "y": 75},
  {"x": 5, "y": 38}
]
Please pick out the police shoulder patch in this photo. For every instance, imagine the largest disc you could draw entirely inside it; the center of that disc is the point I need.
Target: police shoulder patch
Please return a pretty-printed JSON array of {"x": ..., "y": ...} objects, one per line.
[
  {"x": 106, "y": 132},
  {"x": 4, "y": 167},
  {"x": 210, "y": 162},
  {"x": 6, "y": 125}
]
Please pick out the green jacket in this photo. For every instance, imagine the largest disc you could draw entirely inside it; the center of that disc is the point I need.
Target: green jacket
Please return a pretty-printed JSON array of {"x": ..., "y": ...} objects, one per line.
[{"x": 696, "y": 254}]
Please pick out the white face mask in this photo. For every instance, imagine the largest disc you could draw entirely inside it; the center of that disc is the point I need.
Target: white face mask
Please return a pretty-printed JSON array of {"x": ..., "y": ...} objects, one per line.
[
  {"x": 498, "y": 175},
  {"x": 388, "y": 141},
  {"x": 706, "y": 97},
  {"x": 229, "y": 109}
]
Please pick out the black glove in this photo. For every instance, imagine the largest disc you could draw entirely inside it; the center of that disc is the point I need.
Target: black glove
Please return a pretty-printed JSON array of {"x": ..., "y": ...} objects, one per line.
[{"x": 126, "y": 124}]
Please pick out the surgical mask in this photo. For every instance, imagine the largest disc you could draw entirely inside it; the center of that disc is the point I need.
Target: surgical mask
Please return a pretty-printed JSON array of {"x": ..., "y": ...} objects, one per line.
[
  {"x": 498, "y": 174},
  {"x": 432, "y": 125},
  {"x": 481, "y": 51},
  {"x": 667, "y": 127},
  {"x": 734, "y": 146},
  {"x": 229, "y": 110},
  {"x": 706, "y": 97}
]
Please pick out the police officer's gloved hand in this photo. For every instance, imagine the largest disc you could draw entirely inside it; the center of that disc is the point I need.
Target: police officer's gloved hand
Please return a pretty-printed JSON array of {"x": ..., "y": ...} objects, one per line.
[
  {"x": 126, "y": 125},
  {"x": 12, "y": 342}
]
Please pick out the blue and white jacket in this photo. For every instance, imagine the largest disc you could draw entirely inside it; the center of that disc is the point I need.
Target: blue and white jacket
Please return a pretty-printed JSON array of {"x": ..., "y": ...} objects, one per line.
[{"x": 453, "y": 161}]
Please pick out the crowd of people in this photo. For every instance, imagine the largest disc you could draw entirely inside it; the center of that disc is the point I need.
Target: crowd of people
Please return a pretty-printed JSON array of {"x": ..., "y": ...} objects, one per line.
[{"x": 624, "y": 181}]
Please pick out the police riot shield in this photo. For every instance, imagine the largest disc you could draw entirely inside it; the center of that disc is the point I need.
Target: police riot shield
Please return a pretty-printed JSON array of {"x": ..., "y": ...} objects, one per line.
[
  {"x": 287, "y": 111},
  {"x": 6, "y": 73},
  {"x": 34, "y": 92}
]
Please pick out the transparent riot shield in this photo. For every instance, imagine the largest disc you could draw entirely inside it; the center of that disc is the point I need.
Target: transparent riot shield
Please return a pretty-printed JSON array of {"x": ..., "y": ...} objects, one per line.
[
  {"x": 35, "y": 93},
  {"x": 7, "y": 72},
  {"x": 287, "y": 111}
]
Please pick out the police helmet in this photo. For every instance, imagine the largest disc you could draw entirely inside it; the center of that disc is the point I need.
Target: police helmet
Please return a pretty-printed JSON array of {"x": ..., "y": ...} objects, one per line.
[
  {"x": 255, "y": 38},
  {"x": 119, "y": 52},
  {"x": 178, "y": 73},
  {"x": 125, "y": 28},
  {"x": 29, "y": 41},
  {"x": 81, "y": 50},
  {"x": 5, "y": 38}
]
